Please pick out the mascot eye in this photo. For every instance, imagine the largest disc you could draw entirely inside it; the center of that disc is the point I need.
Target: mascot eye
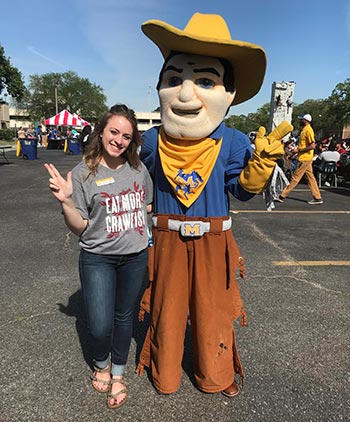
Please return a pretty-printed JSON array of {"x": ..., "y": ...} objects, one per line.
[
  {"x": 174, "y": 81},
  {"x": 205, "y": 83}
]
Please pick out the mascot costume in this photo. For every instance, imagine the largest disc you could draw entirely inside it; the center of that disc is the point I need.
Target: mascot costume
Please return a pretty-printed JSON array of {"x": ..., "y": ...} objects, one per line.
[{"x": 195, "y": 162}]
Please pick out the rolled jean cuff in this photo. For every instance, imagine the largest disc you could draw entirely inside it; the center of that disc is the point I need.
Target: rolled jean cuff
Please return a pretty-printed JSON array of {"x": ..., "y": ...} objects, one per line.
[
  {"x": 102, "y": 363},
  {"x": 117, "y": 370}
]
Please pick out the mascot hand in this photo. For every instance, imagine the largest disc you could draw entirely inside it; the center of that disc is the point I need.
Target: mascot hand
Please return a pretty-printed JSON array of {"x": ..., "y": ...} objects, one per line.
[{"x": 255, "y": 177}]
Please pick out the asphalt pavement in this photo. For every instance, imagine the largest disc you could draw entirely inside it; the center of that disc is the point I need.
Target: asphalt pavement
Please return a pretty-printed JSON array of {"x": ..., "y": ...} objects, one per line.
[{"x": 295, "y": 349}]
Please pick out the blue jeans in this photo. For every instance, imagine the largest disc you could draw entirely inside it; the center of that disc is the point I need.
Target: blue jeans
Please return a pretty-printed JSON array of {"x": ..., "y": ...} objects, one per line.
[{"x": 111, "y": 285}]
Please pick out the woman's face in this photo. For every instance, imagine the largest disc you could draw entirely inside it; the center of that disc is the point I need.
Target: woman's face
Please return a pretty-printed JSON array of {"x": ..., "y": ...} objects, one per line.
[
  {"x": 193, "y": 99},
  {"x": 116, "y": 136}
]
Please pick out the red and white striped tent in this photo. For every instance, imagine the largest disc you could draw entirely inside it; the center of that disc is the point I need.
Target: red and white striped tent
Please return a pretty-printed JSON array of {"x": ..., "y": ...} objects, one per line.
[
  {"x": 65, "y": 118},
  {"x": 83, "y": 122}
]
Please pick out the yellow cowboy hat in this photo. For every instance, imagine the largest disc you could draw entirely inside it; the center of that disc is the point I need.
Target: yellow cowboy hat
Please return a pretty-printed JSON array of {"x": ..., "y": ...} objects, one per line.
[{"x": 208, "y": 35}]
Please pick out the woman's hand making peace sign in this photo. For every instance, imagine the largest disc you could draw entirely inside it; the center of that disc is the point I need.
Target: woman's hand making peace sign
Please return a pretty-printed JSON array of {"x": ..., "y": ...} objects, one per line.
[{"x": 60, "y": 187}]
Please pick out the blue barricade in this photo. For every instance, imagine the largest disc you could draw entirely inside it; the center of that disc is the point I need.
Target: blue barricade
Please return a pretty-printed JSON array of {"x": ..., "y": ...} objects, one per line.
[
  {"x": 29, "y": 149},
  {"x": 74, "y": 146}
]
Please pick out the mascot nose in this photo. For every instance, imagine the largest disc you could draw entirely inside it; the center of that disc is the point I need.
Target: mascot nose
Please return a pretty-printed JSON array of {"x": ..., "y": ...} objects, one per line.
[{"x": 187, "y": 91}]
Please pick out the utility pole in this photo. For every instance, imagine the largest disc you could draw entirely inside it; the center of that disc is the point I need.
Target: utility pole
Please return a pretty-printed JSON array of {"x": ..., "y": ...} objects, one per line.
[{"x": 56, "y": 101}]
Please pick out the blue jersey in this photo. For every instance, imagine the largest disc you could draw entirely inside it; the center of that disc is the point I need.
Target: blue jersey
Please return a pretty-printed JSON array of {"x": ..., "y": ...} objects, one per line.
[{"x": 214, "y": 200}]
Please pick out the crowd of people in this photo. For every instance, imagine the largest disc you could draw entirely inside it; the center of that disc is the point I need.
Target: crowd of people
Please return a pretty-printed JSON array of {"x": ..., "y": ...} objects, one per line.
[
  {"x": 333, "y": 150},
  {"x": 26, "y": 133},
  {"x": 320, "y": 162},
  {"x": 328, "y": 150},
  {"x": 43, "y": 135}
]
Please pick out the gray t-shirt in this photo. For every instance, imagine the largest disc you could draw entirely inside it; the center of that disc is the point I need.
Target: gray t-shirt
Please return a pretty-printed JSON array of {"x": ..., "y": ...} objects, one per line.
[
  {"x": 114, "y": 203},
  {"x": 329, "y": 156}
]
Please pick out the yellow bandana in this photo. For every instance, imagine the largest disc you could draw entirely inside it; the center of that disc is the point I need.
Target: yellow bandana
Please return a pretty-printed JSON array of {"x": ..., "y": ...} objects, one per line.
[{"x": 187, "y": 165}]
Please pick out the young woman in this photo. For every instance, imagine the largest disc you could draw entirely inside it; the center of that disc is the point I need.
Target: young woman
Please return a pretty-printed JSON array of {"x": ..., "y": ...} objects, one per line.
[{"x": 105, "y": 200}]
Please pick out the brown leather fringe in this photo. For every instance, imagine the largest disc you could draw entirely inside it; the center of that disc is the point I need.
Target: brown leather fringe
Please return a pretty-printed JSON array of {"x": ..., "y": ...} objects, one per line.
[
  {"x": 236, "y": 360},
  {"x": 241, "y": 267}
]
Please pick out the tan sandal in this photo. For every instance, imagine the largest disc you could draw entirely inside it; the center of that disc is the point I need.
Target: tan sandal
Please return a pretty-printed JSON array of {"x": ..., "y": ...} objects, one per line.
[
  {"x": 114, "y": 396},
  {"x": 95, "y": 378}
]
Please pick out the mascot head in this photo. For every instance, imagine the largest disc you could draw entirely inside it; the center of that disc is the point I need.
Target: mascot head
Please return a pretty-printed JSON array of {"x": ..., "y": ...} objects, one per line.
[{"x": 204, "y": 73}]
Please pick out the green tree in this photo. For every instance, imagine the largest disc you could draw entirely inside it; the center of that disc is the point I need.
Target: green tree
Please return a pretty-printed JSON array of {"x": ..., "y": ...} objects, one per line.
[
  {"x": 11, "y": 78},
  {"x": 339, "y": 103},
  {"x": 252, "y": 121},
  {"x": 77, "y": 95},
  {"x": 237, "y": 122},
  {"x": 260, "y": 118},
  {"x": 323, "y": 119}
]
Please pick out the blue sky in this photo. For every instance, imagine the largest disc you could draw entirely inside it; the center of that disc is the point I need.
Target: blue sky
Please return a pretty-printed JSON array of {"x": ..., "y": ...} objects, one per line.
[{"x": 306, "y": 41}]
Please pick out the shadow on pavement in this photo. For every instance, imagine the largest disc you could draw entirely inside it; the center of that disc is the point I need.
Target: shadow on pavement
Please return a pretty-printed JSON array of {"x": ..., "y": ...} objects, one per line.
[{"x": 75, "y": 308}]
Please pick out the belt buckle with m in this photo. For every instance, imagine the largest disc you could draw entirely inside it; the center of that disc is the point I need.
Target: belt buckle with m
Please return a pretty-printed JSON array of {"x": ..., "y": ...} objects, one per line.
[{"x": 192, "y": 228}]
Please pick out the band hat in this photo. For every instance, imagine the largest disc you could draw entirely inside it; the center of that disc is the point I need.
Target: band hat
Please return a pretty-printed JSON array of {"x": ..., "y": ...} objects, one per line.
[
  {"x": 208, "y": 35},
  {"x": 306, "y": 117}
]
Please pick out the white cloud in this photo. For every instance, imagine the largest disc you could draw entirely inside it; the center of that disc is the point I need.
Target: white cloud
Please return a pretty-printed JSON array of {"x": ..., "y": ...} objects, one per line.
[{"x": 46, "y": 58}]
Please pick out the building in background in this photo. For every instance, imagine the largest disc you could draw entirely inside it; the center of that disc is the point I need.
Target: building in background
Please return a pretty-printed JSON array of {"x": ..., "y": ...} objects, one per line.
[
  {"x": 19, "y": 117},
  {"x": 346, "y": 133},
  {"x": 146, "y": 120},
  {"x": 4, "y": 115}
]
